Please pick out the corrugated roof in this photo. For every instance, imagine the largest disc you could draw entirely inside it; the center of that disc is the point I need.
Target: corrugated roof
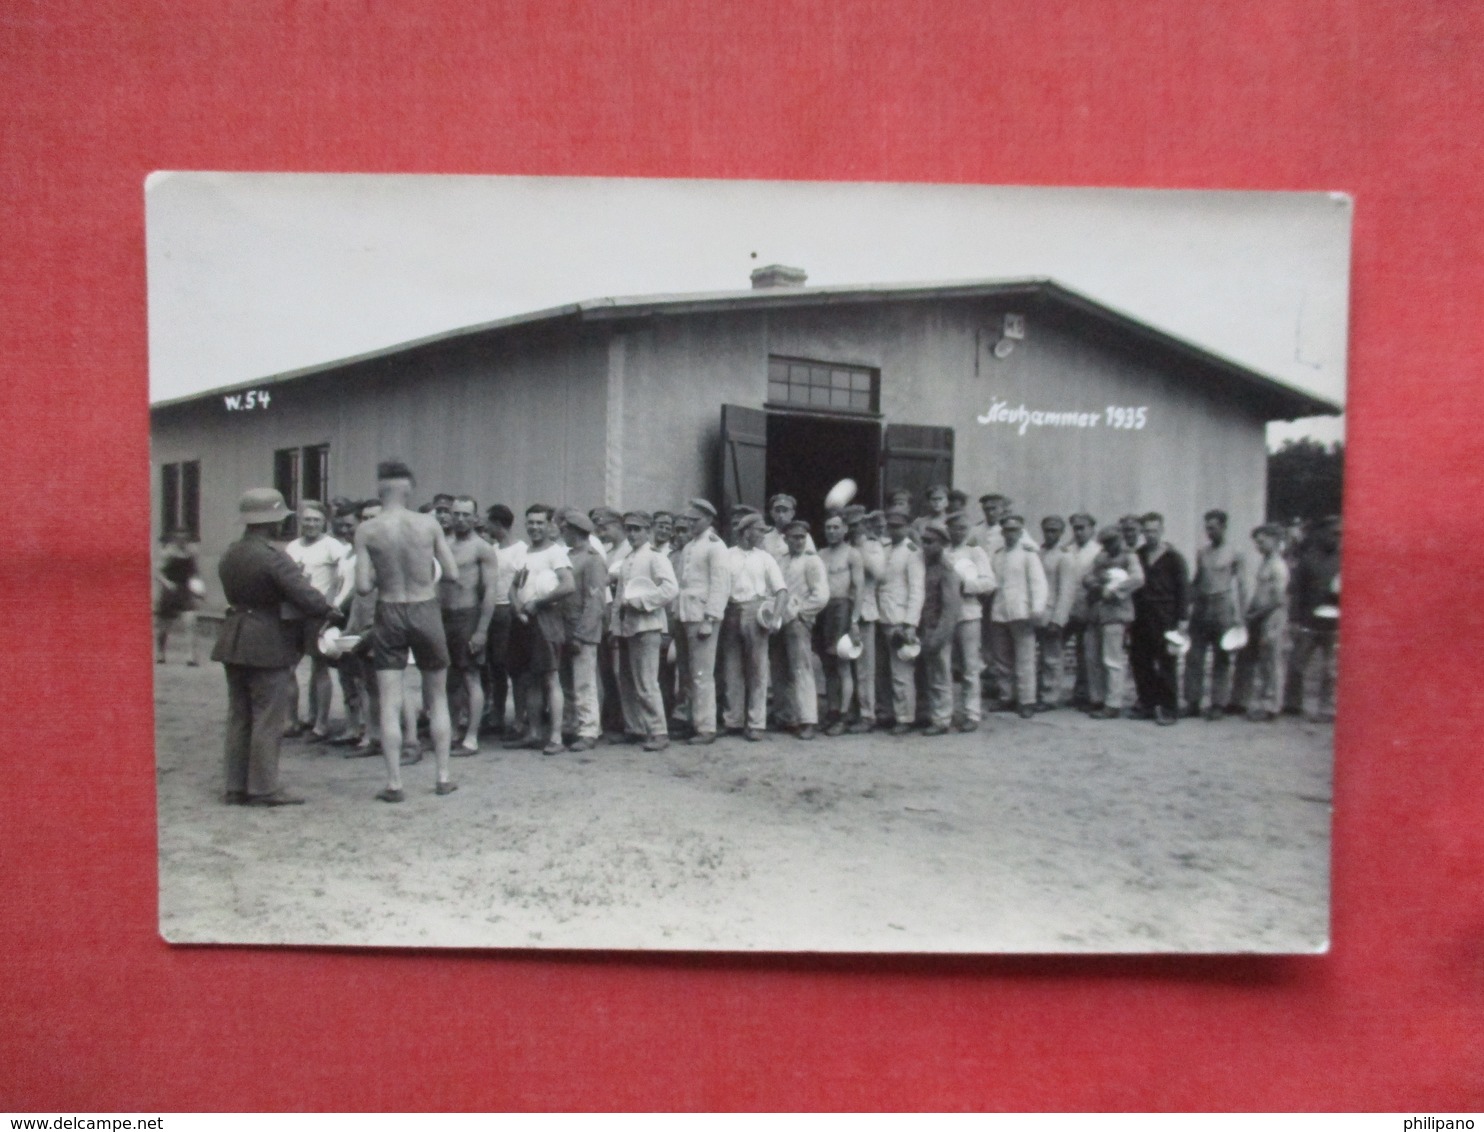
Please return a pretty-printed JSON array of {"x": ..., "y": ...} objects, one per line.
[{"x": 1303, "y": 404}]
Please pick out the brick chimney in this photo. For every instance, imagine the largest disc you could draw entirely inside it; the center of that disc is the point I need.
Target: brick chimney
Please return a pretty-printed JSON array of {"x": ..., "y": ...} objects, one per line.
[{"x": 777, "y": 275}]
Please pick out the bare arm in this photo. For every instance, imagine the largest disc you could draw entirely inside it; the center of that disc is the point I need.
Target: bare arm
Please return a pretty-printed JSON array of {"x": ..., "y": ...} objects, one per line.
[
  {"x": 342, "y": 597},
  {"x": 565, "y": 588},
  {"x": 443, "y": 553},
  {"x": 857, "y": 562},
  {"x": 1135, "y": 579},
  {"x": 773, "y": 580},
  {"x": 365, "y": 575},
  {"x": 487, "y": 563},
  {"x": 817, "y": 581}
]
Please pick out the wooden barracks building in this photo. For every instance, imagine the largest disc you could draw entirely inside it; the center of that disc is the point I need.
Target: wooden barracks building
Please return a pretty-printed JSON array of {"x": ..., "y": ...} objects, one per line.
[{"x": 1019, "y": 386}]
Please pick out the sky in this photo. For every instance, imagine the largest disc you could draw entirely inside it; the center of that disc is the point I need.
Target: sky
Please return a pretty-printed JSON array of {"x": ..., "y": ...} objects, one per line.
[{"x": 254, "y": 274}]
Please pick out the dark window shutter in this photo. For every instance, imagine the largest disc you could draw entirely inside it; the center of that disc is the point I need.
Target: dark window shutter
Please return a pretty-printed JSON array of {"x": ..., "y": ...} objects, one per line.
[
  {"x": 190, "y": 498},
  {"x": 286, "y": 480},
  {"x": 169, "y": 498},
  {"x": 286, "y": 475},
  {"x": 916, "y": 457},
  {"x": 315, "y": 473},
  {"x": 744, "y": 458}
]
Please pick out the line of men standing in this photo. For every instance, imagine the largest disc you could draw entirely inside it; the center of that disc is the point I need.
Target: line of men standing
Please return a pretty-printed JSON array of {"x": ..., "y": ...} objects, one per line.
[
  {"x": 754, "y": 630},
  {"x": 624, "y": 622}
]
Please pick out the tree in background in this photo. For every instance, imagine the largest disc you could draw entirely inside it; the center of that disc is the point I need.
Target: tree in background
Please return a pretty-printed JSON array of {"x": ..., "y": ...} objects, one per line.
[{"x": 1305, "y": 479}]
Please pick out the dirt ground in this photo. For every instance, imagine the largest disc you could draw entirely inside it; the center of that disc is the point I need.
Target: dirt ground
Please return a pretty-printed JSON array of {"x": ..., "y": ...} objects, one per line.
[{"x": 1053, "y": 834}]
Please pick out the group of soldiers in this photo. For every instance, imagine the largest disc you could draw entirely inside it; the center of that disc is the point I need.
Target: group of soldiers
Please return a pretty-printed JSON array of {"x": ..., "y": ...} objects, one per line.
[{"x": 642, "y": 626}]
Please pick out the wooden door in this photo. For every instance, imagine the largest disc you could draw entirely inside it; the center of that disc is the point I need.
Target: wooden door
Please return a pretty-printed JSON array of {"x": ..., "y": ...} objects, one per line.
[
  {"x": 915, "y": 457},
  {"x": 744, "y": 458}
]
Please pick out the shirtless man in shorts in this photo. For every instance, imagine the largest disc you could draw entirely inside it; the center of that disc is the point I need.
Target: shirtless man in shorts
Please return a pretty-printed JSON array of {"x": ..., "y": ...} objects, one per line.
[
  {"x": 467, "y": 598},
  {"x": 395, "y": 553}
]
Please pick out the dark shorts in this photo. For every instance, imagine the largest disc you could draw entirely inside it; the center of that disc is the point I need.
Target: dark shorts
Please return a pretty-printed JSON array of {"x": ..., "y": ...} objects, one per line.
[
  {"x": 172, "y": 603},
  {"x": 498, "y": 644},
  {"x": 833, "y": 623},
  {"x": 403, "y": 625},
  {"x": 458, "y": 630},
  {"x": 529, "y": 650},
  {"x": 1214, "y": 612}
]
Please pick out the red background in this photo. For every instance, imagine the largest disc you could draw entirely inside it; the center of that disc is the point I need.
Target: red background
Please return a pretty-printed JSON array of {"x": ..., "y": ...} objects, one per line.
[{"x": 1381, "y": 99}]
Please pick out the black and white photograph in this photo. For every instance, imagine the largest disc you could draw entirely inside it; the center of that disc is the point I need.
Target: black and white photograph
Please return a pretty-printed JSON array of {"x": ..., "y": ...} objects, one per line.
[{"x": 744, "y": 566}]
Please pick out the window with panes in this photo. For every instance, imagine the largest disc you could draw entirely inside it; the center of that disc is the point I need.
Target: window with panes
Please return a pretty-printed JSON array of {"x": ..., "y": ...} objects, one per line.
[{"x": 830, "y": 386}]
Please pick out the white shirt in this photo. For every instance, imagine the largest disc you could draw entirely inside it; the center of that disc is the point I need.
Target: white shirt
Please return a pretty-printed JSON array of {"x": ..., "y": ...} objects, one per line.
[
  {"x": 755, "y": 574},
  {"x": 509, "y": 561},
  {"x": 704, "y": 581},
  {"x": 1082, "y": 558},
  {"x": 992, "y": 539},
  {"x": 873, "y": 559},
  {"x": 552, "y": 557},
  {"x": 776, "y": 545},
  {"x": 983, "y": 581},
  {"x": 900, "y": 596},
  {"x": 615, "y": 557},
  {"x": 321, "y": 561}
]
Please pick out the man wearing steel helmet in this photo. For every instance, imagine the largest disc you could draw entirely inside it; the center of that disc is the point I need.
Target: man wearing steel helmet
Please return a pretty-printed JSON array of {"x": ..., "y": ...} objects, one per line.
[{"x": 259, "y": 647}]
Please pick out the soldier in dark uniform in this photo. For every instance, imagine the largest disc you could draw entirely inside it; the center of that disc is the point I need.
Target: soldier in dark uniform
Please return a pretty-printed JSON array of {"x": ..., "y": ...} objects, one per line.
[{"x": 260, "y": 642}]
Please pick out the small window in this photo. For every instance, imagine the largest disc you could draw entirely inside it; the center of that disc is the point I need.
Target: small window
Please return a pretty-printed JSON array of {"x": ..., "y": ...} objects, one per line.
[
  {"x": 300, "y": 474},
  {"x": 180, "y": 498},
  {"x": 316, "y": 465},
  {"x": 821, "y": 385}
]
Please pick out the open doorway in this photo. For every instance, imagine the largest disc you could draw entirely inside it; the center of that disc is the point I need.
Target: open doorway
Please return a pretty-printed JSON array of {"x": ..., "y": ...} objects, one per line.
[{"x": 808, "y": 454}]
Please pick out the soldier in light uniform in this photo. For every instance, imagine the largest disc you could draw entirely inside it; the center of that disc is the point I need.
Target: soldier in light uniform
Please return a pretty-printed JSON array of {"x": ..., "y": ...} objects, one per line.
[
  {"x": 976, "y": 574},
  {"x": 705, "y": 586}
]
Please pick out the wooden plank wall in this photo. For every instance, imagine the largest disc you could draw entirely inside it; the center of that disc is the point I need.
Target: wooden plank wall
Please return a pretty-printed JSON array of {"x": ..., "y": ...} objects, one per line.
[{"x": 518, "y": 422}]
